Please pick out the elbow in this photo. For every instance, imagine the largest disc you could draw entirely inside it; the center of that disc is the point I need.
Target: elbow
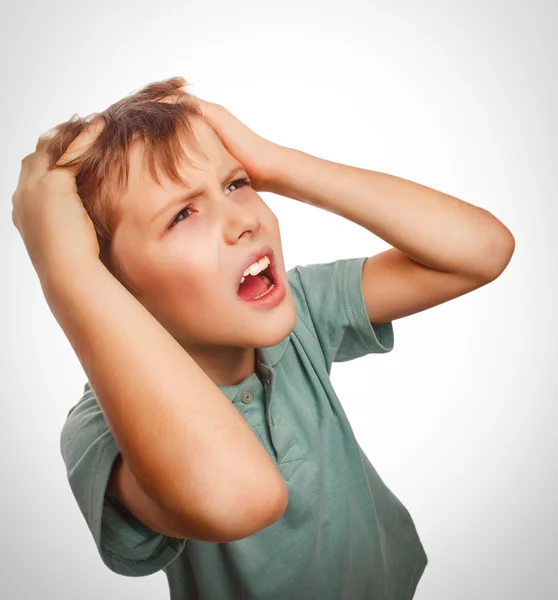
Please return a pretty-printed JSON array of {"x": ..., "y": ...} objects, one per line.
[
  {"x": 498, "y": 255},
  {"x": 253, "y": 511}
]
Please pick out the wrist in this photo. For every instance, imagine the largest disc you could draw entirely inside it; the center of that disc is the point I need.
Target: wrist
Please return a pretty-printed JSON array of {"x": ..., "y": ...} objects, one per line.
[
  {"x": 277, "y": 171},
  {"x": 59, "y": 274}
]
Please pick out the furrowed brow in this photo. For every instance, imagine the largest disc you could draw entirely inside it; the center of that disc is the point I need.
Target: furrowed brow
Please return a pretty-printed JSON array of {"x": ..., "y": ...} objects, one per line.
[{"x": 237, "y": 168}]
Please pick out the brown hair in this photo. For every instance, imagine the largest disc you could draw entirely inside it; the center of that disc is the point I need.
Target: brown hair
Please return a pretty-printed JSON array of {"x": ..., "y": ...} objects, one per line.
[{"x": 159, "y": 116}]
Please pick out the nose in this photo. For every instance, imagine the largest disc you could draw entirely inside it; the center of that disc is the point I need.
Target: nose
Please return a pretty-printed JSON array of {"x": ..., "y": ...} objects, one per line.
[
  {"x": 238, "y": 220},
  {"x": 236, "y": 211}
]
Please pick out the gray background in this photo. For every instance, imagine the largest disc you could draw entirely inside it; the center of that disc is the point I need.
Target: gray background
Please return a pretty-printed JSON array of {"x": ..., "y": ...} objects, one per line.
[{"x": 459, "y": 419}]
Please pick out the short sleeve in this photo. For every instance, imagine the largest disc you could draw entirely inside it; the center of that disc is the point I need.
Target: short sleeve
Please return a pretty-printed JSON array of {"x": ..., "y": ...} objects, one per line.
[
  {"x": 126, "y": 545},
  {"x": 329, "y": 300}
]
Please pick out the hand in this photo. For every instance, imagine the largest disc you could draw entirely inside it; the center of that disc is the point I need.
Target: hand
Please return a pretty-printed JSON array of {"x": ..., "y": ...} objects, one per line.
[
  {"x": 256, "y": 154},
  {"x": 47, "y": 210}
]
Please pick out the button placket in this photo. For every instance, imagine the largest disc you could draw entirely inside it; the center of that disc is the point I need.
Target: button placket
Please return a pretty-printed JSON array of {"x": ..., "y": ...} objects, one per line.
[{"x": 269, "y": 395}]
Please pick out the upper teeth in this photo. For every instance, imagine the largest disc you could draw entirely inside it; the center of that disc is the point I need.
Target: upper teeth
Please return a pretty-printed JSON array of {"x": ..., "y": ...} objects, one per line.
[{"x": 257, "y": 267}]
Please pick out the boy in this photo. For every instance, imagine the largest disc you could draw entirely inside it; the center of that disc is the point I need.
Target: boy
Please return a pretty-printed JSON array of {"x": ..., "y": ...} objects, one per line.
[{"x": 209, "y": 442}]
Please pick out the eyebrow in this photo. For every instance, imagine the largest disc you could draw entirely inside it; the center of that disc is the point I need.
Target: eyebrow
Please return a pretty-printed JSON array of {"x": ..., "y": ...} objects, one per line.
[{"x": 192, "y": 194}]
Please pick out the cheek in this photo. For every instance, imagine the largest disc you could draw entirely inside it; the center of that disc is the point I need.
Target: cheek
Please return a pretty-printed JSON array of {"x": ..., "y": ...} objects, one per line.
[
  {"x": 191, "y": 303},
  {"x": 185, "y": 286}
]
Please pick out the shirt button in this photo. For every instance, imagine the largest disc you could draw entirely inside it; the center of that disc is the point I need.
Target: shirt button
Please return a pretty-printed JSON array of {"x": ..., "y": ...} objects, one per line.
[
  {"x": 267, "y": 381},
  {"x": 247, "y": 396}
]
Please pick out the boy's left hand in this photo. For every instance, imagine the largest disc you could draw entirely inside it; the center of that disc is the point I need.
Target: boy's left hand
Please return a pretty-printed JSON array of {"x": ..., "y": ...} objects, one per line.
[{"x": 256, "y": 154}]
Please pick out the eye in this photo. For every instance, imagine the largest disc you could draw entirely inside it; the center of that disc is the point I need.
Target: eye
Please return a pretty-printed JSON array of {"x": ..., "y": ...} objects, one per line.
[
  {"x": 238, "y": 183},
  {"x": 242, "y": 182},
  {"x": 174, "y": 221}
]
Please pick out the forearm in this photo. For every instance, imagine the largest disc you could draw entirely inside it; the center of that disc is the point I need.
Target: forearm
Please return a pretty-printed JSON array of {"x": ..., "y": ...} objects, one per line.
[
  {"x": 189, "y": 447},
  {"x": 432, "y": 228}
]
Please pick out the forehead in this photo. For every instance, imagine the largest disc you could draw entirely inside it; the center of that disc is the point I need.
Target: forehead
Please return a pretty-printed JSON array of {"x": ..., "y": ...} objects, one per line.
[{"x": 144, "y": 196}]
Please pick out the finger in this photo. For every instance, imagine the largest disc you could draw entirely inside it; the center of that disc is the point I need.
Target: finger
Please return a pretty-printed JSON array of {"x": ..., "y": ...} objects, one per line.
[
  {"x": 33, "y": 167},
  {"x": 83, "y": 141},
  {"x": 207, "y": 108},
  {"x": 45, "y": 138},
  {"x": 203, "y": 103},
  {"x": 216, "y": 116},
  {"x": 14, "y": 219}
]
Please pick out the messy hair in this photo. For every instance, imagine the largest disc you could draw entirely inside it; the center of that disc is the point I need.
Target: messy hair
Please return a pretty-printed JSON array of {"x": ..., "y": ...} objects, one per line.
[{"x": 159, "y": 115}]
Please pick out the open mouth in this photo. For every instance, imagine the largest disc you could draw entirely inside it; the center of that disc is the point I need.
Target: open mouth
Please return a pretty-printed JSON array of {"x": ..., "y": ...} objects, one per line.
[{"x": 255, "y": 287}]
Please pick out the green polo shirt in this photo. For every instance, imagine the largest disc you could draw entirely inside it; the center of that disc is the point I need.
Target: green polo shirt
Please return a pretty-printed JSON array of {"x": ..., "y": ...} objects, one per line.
[{"x": 344, "y": 535}]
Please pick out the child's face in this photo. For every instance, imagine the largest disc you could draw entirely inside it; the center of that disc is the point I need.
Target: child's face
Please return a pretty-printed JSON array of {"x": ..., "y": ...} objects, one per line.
[{"x": 189, "y": 274}]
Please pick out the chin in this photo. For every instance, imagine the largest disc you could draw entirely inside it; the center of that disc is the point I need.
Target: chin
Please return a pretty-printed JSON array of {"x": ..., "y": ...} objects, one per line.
[{"x": 273, "y": 331}]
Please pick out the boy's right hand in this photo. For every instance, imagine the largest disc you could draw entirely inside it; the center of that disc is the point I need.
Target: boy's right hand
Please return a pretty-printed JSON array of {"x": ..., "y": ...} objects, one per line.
[{"x": 48, "y": 212}]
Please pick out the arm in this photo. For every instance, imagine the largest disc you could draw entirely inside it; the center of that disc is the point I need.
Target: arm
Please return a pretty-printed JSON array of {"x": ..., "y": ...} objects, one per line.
[
  {"x": 188, "y": 448},
  {"x": 433, "y": 229},
  {"x": 443, "y": 247},
  {"x": 123, "y": 489}
]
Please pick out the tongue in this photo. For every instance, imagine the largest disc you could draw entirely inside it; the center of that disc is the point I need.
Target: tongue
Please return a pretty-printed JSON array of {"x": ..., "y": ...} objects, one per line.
[{"x": 253, "y": 286}]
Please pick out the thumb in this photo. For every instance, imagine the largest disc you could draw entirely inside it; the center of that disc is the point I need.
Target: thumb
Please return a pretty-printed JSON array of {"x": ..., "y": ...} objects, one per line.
[{"x": 81, "y": 143}]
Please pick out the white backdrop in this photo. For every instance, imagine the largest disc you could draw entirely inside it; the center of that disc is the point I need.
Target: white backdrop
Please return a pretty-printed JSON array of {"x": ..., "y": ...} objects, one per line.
[{"x": 459, "y": 419}]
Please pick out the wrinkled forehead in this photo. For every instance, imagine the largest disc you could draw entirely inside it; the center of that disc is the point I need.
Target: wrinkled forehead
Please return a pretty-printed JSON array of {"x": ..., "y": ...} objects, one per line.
[{"x": 202, "y": 149}]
